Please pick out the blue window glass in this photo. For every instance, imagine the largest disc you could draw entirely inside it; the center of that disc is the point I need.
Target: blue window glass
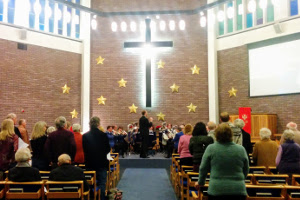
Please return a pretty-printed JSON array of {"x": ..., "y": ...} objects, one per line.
[
  {"x": 1, "y": 10},
  {"x": 69, "y": 10},
  {"x": 78, "y": 1},
  {"x": 60, "y": 22},
  {"x": 249, "y": 20},
  {"x": 42, "y": 15},
  {"x": 294, "y": 7},
  {"x": 31, "y": 14},
  {"x": 51, "y": 18},
  {"x": 77, "y": 26},
  {"x": 11, "y": 11}
]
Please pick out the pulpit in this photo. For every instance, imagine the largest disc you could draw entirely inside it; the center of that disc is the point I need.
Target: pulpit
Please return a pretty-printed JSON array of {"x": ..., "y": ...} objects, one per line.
[{"x": 260, "y": 121}]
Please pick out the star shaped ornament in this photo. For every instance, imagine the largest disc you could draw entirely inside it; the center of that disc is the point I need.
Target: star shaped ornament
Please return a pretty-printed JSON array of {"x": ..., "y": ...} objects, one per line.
[
  {"x": 74, "y": 114},
  {"x": 122, "y": 83},
  {"x": 100, "y": 60},
  {"x": 232, "y": 92},
  {"x": 66, "y": 89},
  {"x": 160, "y": 64},
  {"x": 174, "y": 87},
  {"x": 101, "y": 100},
  {"x": 195, "y": 69},
  {"x": 192, "y": 108},
  {"x": 132, "y": 108},
  {"x": 160, "y": 117}
]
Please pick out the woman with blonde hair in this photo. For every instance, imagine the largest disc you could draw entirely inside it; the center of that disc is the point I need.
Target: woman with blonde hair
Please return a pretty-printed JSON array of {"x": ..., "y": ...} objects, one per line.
[
  {"x": 38, "y": 140},
  {"x": 183, "y": 147},
  {"x": 8, "y": 144}
]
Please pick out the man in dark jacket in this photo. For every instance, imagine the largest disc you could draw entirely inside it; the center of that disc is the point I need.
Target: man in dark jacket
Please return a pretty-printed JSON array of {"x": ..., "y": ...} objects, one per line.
[
  {"x": 96, "y": 147},
  {"x": 144, "y": 131},
  {"x": 60, "y": 142},
  {"x": 68, "y": 172}
]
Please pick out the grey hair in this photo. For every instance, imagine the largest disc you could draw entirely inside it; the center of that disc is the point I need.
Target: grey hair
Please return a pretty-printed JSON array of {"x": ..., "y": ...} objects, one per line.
[
  {"x": 11, "y": 116},
  {"x": 64, "y": 158},
  {"x": 292, "y": 126},
  {"x": 265, "y": 133},
  {"x": 288, "y": 135},
  {"x": 76, "y": 127},
  {"x": 60, "y": 122},
  {"x": 23, "y": 155},
  {"x": 239, "y": 123},
  {"x": 50, "y": 129},
  {"x": 94, "y": 122}
]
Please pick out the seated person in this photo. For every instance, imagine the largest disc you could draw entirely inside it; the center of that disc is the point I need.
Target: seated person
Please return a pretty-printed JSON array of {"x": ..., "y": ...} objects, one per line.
[
  {"x": 151, "y": 141},
  {"x": 23, "y": 172},
  {"x": 68, "y": 172}
]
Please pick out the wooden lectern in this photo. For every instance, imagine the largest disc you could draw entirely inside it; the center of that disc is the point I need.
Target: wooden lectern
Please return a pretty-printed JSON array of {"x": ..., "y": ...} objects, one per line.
[{"x": 260, "y": 121}]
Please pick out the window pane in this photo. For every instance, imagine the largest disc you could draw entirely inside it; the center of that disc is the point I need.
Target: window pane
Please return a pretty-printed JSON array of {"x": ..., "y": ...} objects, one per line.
[
  {"x": 69, "y": 10},
  {"x": 221, "y": 28},
  {"x": 229, "y": 21},
  {"x": 51, "y": 18},
  {"x": 31, "y": 14},
  {"x": 42, "y": 15},
  {"x": 259, "y": 14},
  {"x": 270, "y": 11},
  {"x": 11, "y": 11},
  {"x": 77, "y": 26},
  {"x": 294, "y": 7},
  {"x": 249, "y": 20},
  {"x": 239, "y": 20},
  {"x": 1, "y": 10},
  {"x": 60, "y": 22}
]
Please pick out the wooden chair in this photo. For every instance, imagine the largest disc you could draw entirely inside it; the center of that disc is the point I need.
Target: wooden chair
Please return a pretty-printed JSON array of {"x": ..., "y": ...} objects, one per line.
[
  {"x": 117, "y": 166},
  {"x": 2, "y": 189},
  {"x": 259, "y": 192},
  {"x": 173, "y": 167},
  {"x": 63, "y": 190},
  {"x": 249, "y": 179},
  {"x": 192, "y": 179},
  {"x": 45, "y": 175},
  {"x": 176, "y": 176},
  {"x": 24, "y": 190},
  {"x": 292, "y": 192},
  {"x": 272, "y": 170},
  {"x": 184, "y": 181},
  {"x": 296, "y": 180},
  {"x": 90, "y": 177},
  {"x": 270, "y": 179},
  {"x": 257, "y": 170}
]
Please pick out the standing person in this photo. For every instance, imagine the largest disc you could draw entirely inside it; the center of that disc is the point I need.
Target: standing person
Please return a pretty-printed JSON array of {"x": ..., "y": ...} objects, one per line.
[
  {"x": 60, "y": 141},
  {"x": 38, "y": 140},
  {"x": 145, "y": 124},
  {"x": 111, "y": 137},
  {"x": 95, "y": 147},
  {"x": 13, "y": 117},
  {"x": 177, "y": 137},
  {"x": 8, "y": 144},
  {"x": 228, "y": 165},
  {"x": 79, "y": 156},
  {"x": 239, "y": 123},
  {"x": 183, "y": 147},
  {"x": 199, "y": 143},
  {"x": 23, "y": 131}
]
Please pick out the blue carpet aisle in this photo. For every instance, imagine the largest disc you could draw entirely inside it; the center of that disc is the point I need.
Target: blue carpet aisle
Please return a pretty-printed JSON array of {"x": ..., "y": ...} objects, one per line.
[{"x": 146, "y": 184}]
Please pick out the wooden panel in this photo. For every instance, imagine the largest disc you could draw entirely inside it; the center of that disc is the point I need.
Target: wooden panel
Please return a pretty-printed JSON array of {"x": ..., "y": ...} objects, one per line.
[{"x": 259, "y": 121}]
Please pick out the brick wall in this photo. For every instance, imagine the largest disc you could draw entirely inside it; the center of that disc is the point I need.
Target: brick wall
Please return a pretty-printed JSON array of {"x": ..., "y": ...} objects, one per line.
[
  {"x": 190, "y": 47},
  {"x": 32, "y": 80},
  {"x": 233, "y": 72}
]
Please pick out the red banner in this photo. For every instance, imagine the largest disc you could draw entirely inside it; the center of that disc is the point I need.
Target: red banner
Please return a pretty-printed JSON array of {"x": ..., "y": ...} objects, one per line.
[{"x": 245, "y": 114}]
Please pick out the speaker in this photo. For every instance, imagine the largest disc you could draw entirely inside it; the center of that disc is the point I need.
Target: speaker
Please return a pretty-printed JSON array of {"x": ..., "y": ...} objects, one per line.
[
  {"x": 277, "y": 28},
  {"x": 23, "y": 34}
]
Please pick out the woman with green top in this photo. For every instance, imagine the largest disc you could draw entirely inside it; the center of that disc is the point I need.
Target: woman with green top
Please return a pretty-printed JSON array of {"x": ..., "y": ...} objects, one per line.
[{"x": 228, "y": 165}]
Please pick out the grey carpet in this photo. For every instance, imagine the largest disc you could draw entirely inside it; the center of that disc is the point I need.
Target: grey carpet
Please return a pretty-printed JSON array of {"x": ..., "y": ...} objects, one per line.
[{"x": 146, "y": 184}]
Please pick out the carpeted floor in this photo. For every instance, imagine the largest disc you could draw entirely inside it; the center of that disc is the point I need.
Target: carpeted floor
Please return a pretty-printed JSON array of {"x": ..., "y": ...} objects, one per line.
[{"x": 146, "y": 184}]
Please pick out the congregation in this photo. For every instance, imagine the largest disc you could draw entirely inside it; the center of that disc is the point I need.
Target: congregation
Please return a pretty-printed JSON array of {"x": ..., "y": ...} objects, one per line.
[{"x": 223, "y": 151}]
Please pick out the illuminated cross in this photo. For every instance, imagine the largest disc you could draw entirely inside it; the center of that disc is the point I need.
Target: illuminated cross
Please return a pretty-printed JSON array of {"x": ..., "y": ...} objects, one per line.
[{"x": 148, "y": 43}]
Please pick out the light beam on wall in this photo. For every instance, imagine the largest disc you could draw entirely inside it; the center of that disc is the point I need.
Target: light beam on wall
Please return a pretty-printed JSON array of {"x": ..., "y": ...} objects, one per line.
[
  {"x": 133, "y": 26},
  {"x": 162, "y": 25},
  {"x": 114, "y": 26}
]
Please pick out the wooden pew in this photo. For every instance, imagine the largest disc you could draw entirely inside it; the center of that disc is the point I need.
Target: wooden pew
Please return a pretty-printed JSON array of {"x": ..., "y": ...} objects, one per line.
[
  {"x": 90, "y": 176},
  {"x": 257, "y": 170},
  {"x": 117, "y": 166},
  {"x": 24, "y": 190},
  {"x": 2, "y": 189},
  {"x": 174, "y": 167},
  {"x": 62, "y": 190},
  {"x": 292, "y": 192},
  {"x": 192, "y": 179},
  {"x": 272, "y": 170},
  {"x": 258, "y": 192},
  {"x": 270, "y": 179},
  {"x": 184, "y": 181},
  {"x": 296, "y": 180}
]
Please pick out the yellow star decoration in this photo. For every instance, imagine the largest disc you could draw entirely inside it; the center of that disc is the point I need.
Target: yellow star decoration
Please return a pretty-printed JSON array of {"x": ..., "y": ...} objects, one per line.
[
  {"x": 74, "y": 114},
  {"x": 160, "y": 64},
  {"x": 232, "y": 92},
  {"x": 132, "y": 108},
  {"x": 174, "y": 87},
  {"x": 122, "y": 83},
  {"x": 66, "y": 89},
  {"x": 192, "y": 108},
  {"x": 100, "y": 60},
  {"x": 195, "y": 69},
  {"x": 101, "y": 100},
  {"x": 160, "y": 117}
]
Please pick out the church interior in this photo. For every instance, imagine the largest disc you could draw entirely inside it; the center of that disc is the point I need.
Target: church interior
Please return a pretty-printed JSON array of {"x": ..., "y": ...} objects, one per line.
[{"x": 183, "y": 62}]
